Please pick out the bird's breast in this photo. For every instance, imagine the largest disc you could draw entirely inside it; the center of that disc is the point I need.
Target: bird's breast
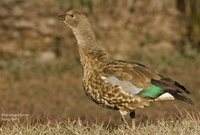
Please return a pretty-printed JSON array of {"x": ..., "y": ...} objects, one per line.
[{"x": 95, "y": 89}]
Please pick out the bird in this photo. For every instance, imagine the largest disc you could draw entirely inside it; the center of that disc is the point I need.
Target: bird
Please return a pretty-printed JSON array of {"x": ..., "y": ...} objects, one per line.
[{"x": 116, "y": 84}]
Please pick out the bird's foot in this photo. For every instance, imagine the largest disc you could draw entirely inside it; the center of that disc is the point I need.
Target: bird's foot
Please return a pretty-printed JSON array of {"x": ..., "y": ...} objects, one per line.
[{"x": 133, "y": 126}]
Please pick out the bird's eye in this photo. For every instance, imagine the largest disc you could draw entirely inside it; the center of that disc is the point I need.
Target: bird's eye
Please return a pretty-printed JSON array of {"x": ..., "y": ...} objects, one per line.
[{"x": 72, "y": 15}]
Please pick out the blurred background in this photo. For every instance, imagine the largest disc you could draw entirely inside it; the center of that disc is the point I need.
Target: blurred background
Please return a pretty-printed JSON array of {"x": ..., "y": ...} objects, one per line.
[{"x": 40, "y": 72}]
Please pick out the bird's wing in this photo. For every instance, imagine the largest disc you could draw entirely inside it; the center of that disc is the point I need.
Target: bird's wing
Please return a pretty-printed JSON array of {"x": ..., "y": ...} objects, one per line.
[
  {"x": 134, "y": 73},
  {"x": 138, "y": 79}
]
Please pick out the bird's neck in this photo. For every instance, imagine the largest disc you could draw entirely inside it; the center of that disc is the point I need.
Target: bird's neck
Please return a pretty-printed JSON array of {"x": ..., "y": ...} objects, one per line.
[
  {"x": 85, "y": 37},
  {"x": 91, "y": 54}
]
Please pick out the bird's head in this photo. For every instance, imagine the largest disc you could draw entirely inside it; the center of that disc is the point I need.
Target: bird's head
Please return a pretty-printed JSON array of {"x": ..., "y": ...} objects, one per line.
[
  {"x": 78, "y": 22},
  {"x": 73, "y": 18}
]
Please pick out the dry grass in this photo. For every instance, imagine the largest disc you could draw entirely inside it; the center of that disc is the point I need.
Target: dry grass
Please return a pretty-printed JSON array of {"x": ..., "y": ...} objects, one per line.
[{"x": 186, "y": 126}]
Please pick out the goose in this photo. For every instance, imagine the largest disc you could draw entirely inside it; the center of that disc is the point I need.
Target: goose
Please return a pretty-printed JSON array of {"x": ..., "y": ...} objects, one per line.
[{"x": 117, "y": 84}]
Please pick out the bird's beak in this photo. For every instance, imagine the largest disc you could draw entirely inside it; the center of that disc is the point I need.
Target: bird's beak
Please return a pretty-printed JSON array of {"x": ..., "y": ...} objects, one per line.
[{"x": 61, "y": 17}]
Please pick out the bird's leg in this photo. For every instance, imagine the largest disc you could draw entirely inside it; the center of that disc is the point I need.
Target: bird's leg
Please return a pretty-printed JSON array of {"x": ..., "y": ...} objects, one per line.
[
  {"x": 124, "y": 113},
  {"x": 132, "y": 115}
]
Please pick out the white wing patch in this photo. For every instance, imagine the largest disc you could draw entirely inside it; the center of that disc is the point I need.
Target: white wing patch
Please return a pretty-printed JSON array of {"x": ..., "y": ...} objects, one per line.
[
  {"x": 125, "y": 85},
  {"x": 165, "y": 96}
]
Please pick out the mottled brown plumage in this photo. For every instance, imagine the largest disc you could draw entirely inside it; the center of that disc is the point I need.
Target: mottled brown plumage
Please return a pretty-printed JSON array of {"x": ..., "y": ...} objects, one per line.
[{"x": 113, "y": 83}]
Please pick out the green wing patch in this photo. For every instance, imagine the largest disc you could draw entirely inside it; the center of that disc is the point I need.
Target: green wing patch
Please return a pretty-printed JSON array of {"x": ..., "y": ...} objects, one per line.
[{"x": 152, "y": 92}]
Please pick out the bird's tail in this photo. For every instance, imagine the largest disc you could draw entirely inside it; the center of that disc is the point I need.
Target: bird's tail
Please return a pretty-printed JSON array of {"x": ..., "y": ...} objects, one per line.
[{"x": 174, "y": 88}]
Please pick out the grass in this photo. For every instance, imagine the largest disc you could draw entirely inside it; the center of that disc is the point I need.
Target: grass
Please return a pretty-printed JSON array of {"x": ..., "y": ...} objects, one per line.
[{"x": 186, "y": 126}]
